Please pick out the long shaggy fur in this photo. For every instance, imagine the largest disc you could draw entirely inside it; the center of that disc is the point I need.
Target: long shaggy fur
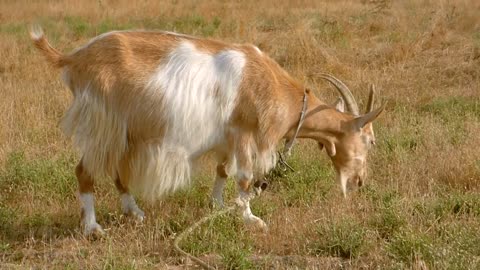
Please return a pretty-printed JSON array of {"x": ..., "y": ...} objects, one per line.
[
  {"x": 98, "y": 132},
  {"x": 159, "y": 170}
]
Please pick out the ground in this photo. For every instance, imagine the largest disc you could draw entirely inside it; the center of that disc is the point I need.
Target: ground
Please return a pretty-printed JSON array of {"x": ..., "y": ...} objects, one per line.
[{"x": 420, "y": 207}]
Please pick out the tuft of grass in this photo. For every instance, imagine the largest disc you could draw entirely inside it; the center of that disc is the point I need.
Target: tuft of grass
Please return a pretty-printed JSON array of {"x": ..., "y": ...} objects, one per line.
[
  {"x": 7, "y": 218},
  {"x": 407, "y": 246},
  {"x": 388, "y": 217},
  {"x": 16, "y": 29},
  {"x": 311, "y": 181},
  {"x": 109, "y": 24},
  {"x": 330, "y": 30},
  {"x": 78, "y": 25},
  {"x": 236, "y": 257},
  {"x": 453, "y": 108},
  {"x": 457, "y": 205},
  {"x": 346, "y": 238},
  {"x": 459, "y": 247},
  {"x": 196, "y": 25},
  {"x": 4, "y": 247},
  {"x": 38, "y": 220},
  {"x": 476, "y": 37}
]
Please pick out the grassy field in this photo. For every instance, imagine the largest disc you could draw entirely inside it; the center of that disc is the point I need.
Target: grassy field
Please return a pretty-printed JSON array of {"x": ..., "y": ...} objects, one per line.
[{"x": 419, "y": 209}]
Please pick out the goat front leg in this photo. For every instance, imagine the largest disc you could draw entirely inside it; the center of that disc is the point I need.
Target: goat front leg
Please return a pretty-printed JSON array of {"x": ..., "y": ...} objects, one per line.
[{"x": 244, "y": 180}]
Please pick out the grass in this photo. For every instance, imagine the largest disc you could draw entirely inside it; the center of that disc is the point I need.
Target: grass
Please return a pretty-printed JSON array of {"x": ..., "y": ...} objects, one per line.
[
  {"x": 420, "y": 205},
  {"x": 39, "y": 175},
  {"x": 345, "y": 238}
]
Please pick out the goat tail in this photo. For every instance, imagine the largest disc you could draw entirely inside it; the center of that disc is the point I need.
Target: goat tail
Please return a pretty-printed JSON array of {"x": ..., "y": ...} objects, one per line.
[{"x": 54, "y": 57}]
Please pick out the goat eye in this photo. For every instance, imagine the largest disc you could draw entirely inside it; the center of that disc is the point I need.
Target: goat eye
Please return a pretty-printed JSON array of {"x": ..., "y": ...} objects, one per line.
[{"x": 372, "y": 142}]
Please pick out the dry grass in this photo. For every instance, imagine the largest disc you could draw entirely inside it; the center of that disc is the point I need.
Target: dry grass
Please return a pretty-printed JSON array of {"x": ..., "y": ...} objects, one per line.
[{"x": 421, "y": 205}]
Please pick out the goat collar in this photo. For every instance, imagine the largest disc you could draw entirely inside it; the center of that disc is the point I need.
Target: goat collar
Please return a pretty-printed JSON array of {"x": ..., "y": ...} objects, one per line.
[
  {"x": 290, "y": 142},
  {"x": 282, "y": 164}
]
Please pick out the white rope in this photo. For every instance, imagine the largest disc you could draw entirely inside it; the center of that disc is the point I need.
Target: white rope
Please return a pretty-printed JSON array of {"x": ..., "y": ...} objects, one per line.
[{"x": 190, "y": 229}]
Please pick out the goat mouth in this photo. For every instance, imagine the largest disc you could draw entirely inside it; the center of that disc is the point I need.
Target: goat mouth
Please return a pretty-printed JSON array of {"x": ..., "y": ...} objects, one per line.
[{"x": 359, "y": 182}]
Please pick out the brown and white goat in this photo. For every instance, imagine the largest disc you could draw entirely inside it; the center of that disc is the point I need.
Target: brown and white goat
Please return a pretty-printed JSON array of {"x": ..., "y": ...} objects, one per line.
[{"x": 147, "y": 104}]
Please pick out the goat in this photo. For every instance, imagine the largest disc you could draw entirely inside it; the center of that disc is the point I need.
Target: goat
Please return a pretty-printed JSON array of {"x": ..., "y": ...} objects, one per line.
[{"x": 148, "y": 104}]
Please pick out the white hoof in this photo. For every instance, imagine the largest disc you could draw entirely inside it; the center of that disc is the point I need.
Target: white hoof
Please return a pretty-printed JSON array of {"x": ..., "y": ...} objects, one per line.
[
  {"x": 256, "y": 222},
  {"x": 216, "y": 204},
  {"x": 137, "y": 214},
  {"x": 93, "y": 229},
  {"x": 130, "y": 208}
]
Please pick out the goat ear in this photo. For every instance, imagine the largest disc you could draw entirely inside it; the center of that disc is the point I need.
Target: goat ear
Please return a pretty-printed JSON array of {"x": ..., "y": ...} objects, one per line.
[
  {"x": 363, "y": 120},
  {"x": 329, "y": 146},
  {"x": 340, "y": 105}
]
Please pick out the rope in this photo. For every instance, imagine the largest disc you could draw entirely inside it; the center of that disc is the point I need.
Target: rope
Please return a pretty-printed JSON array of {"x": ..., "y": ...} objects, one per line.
[{"x": 190, "y": 229}]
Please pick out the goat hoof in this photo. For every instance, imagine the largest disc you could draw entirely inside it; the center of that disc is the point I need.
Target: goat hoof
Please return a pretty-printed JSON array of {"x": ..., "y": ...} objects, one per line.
[
  {"x": 94, "y": 230},
  {"x": 138, "y": 215},
  {"x": 216, "y": 204},
  {"x": 261, "y": 225},
  {"x": 257, "y": 223}
]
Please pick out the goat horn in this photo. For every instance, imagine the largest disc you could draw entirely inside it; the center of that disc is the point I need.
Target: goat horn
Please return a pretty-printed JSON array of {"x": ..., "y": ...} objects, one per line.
[
  {"x": 344, "y": 91},
  {"x": 371, "y": 99}
]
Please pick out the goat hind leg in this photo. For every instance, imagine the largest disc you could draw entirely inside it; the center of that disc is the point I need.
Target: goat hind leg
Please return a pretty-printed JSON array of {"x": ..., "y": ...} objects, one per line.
[
  {"x": 85, "y": 187},
  {"x": 129, "y": 206}
]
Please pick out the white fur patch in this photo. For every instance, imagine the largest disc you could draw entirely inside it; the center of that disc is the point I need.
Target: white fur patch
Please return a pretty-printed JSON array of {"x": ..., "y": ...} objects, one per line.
[{"x": 197, "y": 91}]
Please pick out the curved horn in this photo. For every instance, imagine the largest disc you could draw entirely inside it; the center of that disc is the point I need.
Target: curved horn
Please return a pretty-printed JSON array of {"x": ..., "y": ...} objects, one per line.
[
  {"x": 344, "y": 91},
  {"x": 371, "y": 99},
  {"x": 361, "y": 121}
]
